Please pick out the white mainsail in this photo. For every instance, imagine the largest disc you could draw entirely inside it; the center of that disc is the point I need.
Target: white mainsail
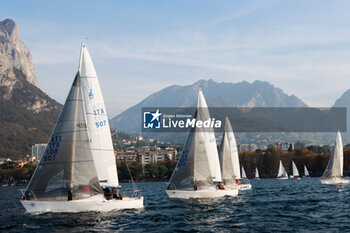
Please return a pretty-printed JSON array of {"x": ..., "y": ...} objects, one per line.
[
  {"x": 97, "y": 120},
  {"x": 209, "y": 139},
  {"x": 228, "y": 155},
  {"x": 295, "y": 170},
  {"x": 66, "y": 170},
  {"x": 306, "y": 172},
  {"x": 335, "y": 165},
  {"x": 256, "y": 173},
  {"x": 244, "y": 176},
  {"x": 282, "y": 171}
]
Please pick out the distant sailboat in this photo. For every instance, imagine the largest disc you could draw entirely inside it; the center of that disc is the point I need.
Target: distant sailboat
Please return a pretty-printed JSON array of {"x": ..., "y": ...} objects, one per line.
[
  {"x": 198, "y": 167},
  {"x": 306, "y": 172},
  {"x": 70, "y": 174},
  {"x": 244, "y": 182},
  {"x": 282, "y": 174},
  {"x": 257, "y": 174},
  {"x": 244, "y": 175},
  {"x": 295, "y": 171},
  {"x": 334, "y": 171},
  {"x": 229, "y": 159}
]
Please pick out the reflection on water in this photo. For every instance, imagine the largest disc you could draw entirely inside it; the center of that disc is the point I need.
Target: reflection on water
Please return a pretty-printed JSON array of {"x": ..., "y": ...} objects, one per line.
[{"x": 271, "y": 206}]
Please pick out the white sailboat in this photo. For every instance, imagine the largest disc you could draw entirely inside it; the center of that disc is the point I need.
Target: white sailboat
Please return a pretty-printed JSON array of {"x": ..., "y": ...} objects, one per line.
[
  {"x": 257, "y": 174},
  {"x": 79, "y": 157},
  {"x": 334, "y": 170},
  {"x": 244, "y": 182},
  {"x": 306, "y": 172},
  {"x": 295, "y": 171},
  {"x": 198, "y": 167},
  {"x": 229, "y": 160},
  {"x": 282, "y": 174}
]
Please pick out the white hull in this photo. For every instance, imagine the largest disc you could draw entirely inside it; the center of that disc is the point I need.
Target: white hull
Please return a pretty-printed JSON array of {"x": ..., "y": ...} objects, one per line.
[
  {"x": 244, "y": 187},
  {"x": 207, "y": 193},
  {"x": 282, "y": 178},
  {"x": 335, "y": 181},
  {"x": 96, "y": 203}
]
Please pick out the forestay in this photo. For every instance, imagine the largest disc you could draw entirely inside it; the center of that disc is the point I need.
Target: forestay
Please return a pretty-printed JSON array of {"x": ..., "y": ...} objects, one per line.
[
  {"x": 66, "y": 170},
  {"x": 97, "y": 120}
]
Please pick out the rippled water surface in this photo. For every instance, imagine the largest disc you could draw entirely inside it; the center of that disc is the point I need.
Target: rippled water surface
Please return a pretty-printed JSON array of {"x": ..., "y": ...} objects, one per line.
[{"x": 271, "y": 206}]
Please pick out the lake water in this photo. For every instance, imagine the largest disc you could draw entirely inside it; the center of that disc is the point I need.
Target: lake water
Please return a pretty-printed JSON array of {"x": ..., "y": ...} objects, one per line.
[{"x": 271, "y": 206}]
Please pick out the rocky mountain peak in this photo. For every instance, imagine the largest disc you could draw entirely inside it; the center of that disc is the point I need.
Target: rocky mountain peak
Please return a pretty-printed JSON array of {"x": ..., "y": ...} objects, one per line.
[{"x": 14, "y": 55}]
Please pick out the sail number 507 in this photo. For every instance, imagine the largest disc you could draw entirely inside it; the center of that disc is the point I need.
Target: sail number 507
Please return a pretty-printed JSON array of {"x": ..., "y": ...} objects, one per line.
[{"x": 100, "y": 123}]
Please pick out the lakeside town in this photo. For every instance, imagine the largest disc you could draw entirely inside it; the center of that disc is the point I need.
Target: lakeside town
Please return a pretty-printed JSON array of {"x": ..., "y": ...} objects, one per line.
[{"x": 148, "y": 159}]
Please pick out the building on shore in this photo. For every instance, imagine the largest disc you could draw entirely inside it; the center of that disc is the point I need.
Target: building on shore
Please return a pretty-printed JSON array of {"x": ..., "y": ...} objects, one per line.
[
  {"x": 285, "y": 146},
  {"x": 38, "y": 151}
]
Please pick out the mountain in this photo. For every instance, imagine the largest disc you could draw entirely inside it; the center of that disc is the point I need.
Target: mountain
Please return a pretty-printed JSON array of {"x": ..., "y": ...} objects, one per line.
[
  {"x": 344, "y": 101},
  {"x": 242, "y": 94},
  {"x": 27, "y": 114}
]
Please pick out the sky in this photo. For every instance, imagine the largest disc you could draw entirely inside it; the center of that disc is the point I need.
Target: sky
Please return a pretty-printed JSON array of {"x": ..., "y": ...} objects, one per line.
[{"x": 140, "y": 47}]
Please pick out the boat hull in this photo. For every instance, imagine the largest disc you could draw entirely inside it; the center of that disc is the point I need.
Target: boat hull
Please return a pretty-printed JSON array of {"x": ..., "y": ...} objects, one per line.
[
  {"x": 243, "y": 187},
  {"x": 215, "y": 193},
  {"x": 335, "y": 181},
  {"x": 97, "y": 203},
  {"x": 282, "y": 178}
]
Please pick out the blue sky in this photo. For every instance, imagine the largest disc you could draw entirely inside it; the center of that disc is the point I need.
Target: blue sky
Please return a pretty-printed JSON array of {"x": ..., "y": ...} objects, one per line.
[{"x": 140, "y": 47}]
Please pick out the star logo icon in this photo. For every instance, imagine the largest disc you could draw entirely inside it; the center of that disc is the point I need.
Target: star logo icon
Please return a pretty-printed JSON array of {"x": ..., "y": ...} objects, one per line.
[{"x": 156, "y": 115}]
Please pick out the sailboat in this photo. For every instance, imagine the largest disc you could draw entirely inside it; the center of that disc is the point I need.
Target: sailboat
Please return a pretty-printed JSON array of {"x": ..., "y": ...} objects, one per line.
[
  {"x": 198, "y": 169},
  {"x": 244, "y": 182},
  {"x": 79, "y": 157},
  {"x": 334, "y": 170},
  {"x": 257, "y": 174},
  {"x": 306, "y": 172},
  {"x": 229, "y": 160},
  {"x": 295, "y": 171},
  {"x": 282, "y": 174}
]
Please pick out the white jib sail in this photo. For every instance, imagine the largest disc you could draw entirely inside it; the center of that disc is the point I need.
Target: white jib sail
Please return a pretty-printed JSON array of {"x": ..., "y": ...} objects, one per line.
[
  {"x": 306, "y": 172},
  {"x": 256, "y": 173},
  {"x": 210, "y": 141},
  {"x": 228, "y": 154},
  {"x": 96, "y": 115},
  {"x": 295, "y": 170},
  {"x": 281, "y": 171},
  {"x": 335, "y": 165},
  {"x": 244, "y": 176}
]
